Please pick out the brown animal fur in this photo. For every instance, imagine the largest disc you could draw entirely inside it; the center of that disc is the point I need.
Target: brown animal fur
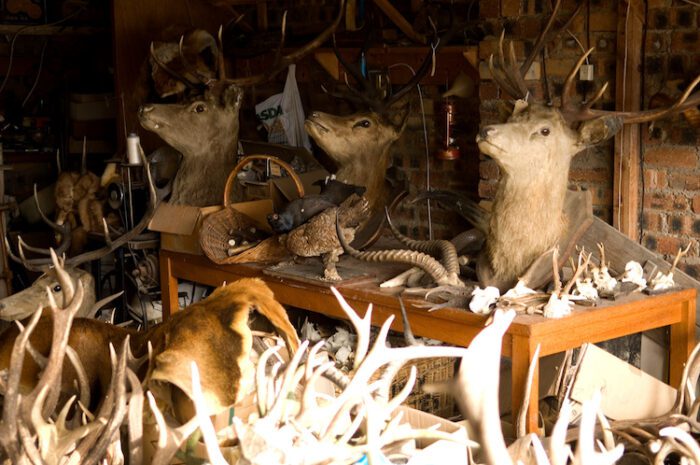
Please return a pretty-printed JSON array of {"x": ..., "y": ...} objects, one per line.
[
  {"x": 205, "y": 131},
  {"x": 359, "y": 144},
  {"x": 213, "y": 333}
]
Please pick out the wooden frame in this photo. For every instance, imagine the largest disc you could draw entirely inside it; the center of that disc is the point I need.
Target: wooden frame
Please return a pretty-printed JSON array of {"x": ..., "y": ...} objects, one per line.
[
  {"x": 631, "y": 315},
  {"x": 628, "y": 92}
]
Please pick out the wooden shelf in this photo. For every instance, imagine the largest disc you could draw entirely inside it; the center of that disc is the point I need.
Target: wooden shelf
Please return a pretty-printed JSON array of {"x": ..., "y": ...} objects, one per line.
[{"x": 44, "y": 30}]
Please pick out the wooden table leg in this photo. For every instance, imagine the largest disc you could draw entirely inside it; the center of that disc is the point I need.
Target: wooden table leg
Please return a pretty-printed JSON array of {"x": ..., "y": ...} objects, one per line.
[
  {"x": 168, "y": 286},
  {"x": 682, "y": 342},
  {"x": 523, "y": 351}
]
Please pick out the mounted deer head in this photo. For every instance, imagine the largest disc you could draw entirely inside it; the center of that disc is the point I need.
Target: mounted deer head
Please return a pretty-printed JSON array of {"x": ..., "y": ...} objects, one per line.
[
  {"x": 204, "y": 128},
  {"x": 63, "y": 280},
  {"x": 360, "y": 143},
  {"x": 534, "y": 149}
]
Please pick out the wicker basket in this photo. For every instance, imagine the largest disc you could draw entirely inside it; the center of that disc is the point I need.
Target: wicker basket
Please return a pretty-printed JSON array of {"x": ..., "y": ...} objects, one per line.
[
  {"x": 214, "y": 234},
  {"x": 436, "y": 370}
]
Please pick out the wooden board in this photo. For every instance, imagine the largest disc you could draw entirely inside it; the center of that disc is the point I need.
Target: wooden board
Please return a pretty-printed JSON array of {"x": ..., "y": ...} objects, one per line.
[
  {"x": 619, "y": 249},
  {"x": 311, "y": 272},
  {"x": 628, "y": 95}
]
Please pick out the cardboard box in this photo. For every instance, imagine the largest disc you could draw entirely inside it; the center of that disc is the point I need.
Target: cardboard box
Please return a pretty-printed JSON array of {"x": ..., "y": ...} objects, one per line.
[
  {"x": 179, "y": 225},
  {"x": 433, "y": 451},
  {"x": 627, "y": 392}
]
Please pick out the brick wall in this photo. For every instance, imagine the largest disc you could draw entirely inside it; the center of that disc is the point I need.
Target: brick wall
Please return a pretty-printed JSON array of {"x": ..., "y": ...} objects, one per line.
[
  {"x": 671, "y": 167},
  {"x": 671, "y": 157}
]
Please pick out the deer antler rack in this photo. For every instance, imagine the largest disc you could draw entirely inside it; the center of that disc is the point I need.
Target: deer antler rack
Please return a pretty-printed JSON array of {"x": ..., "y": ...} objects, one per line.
[
  {"x": 280, "y": 63},
  {"x": 368, "y": 94},
  {"x": 510, "y": 77}
]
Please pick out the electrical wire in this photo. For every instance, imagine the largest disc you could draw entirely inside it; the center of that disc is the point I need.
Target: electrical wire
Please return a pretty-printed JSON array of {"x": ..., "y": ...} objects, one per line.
[
  {"x": 689, "y": 2},
  {"x": 425, "y": 140},
  {"x": 38, "y": 73},
  {"x": 28, "y": 27}
]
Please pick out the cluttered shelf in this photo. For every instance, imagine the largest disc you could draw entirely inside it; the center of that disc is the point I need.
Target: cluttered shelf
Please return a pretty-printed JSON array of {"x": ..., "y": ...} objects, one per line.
[
  {"x": 49, "y": 30},
  {"x": 628, "y": 315}
]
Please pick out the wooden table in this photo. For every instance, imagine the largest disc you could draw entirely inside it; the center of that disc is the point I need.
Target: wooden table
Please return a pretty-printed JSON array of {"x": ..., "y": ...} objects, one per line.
[{"x": 631, "y": 315}]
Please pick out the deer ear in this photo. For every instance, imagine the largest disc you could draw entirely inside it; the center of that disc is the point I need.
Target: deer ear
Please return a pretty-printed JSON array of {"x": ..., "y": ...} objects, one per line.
[
  {"x": 232, "y": 97},
  {"x": 597, "y": 130}
]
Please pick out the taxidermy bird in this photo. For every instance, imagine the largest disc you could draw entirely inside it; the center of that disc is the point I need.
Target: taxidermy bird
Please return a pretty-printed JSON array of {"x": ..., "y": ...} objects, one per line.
[
  {"x": 299, "y": 211},
  {"x": 318, "y": 236}
]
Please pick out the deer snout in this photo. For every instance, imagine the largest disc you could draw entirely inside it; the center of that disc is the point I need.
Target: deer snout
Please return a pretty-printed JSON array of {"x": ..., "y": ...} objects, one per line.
[{"x": 485, "y": 131}]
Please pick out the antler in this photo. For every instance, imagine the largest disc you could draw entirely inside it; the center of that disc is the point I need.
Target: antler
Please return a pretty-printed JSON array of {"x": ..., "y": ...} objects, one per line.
[
  {"x": 369, "y": 94},
  {"x": 42, "y": 264},
  {"x": 281, "y": 62},
  {"x": 509, "y": 76},
  {"x": 573, "y": 112}
]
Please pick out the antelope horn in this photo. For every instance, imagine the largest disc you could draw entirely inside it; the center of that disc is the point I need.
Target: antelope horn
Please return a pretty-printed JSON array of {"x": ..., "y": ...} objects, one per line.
[
  {"x": 410, "y": 257},
  {"x": 169, "y": 439},
  {"x": 446, "y": 249}
]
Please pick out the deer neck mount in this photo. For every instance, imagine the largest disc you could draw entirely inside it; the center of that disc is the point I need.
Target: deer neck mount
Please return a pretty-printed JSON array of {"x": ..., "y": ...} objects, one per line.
[
  {"x": 534, "y": 149},
  {"x": 205, "y": 130},
  {"x": 359, "y": 144}
]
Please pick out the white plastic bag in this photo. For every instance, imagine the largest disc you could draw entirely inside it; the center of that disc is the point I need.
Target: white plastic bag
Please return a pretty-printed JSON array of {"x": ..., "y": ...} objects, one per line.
[{"x": 283, "y": 115}]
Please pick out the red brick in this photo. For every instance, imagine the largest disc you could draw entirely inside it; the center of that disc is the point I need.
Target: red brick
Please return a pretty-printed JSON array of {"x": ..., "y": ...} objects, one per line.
[
  {"x": 653, "y": 221},
  {"x": 696, "y": 204},
  {"x": 656, "y": 42},
  {"x": 680, "y": 202},
  {"x": 667, "y": 245},
  {"x": 510, "y": 8},
  {"x": 685, "y": 40},
  {"x": 659, "y": 201},
  {"x": 655, "y": 179},
  {"x": 589, "y": 175},
  {"x": 677, "y": 157},
  {"x": 658, "y": 3},
  {"x": 488, "y": 90},
  {"x": 683, "y": 17},
  {"x": 603, "y": 21},
  {"x": 685, "y": 181},
  {"x": 487, "y": 190},
  {"x": 489, "y": 9},
  {"x": 489, "y": 170}
]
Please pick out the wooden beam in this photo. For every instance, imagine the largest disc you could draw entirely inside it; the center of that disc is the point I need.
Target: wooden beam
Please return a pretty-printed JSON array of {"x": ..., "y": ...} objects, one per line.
[
  {"x": 628, "y": 96},
  {"x": 393, "y": 14}
]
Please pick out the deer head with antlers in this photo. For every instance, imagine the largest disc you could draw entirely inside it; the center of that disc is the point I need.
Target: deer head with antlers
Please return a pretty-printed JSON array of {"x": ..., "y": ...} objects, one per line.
[
  {"x": 360, "y": 143},
  {"x": 204, "y": 127},
  {"x": 534, "y": 149},
  {"x": 63, "y": 280}
]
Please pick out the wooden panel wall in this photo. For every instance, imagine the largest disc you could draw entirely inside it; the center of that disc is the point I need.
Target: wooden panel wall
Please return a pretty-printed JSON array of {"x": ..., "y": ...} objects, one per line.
[{"x": 136, "y": 24}]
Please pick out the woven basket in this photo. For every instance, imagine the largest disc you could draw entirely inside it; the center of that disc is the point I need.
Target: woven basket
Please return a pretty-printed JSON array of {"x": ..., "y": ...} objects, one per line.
[
  {"x": 428, "y": 371},
  {"x": 214, "y": 234}
]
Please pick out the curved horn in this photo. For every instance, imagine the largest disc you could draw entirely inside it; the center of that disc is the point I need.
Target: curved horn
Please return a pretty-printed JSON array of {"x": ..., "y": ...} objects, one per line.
[
  {"x": 423, "y": 261},
  {"x": 445, "y": 249}
]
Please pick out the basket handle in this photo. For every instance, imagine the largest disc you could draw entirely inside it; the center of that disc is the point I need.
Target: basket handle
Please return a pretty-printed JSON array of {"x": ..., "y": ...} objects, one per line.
[{"x": 284, "y": 165}]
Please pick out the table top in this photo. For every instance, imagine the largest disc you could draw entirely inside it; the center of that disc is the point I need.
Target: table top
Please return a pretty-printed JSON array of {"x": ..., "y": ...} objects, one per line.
[{"x": 627, "y": 315}]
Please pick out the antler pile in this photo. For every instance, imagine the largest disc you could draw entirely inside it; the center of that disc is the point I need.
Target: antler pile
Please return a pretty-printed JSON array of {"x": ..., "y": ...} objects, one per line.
[
  {"x": 33, "y": 430},
  {"x": 360, "y": 421}
]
